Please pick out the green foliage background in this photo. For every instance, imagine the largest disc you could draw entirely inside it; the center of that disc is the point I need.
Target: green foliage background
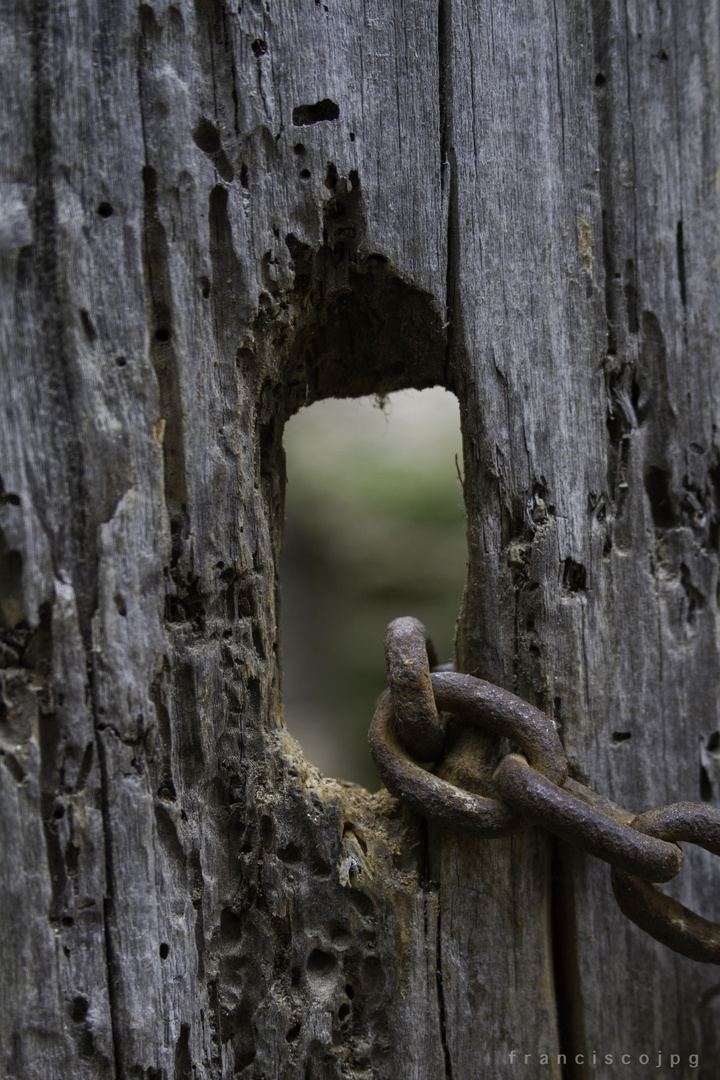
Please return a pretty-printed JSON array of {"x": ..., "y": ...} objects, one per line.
[{"x": 375, "y": 528}]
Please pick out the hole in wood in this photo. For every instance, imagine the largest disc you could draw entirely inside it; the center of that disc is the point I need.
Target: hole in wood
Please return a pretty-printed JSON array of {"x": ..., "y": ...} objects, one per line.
[
  {"x": 206, "y": 136},
  {"x": 312, "y": 114},
  {"x": 374, "y": 529},
  {"x": 79, "y": 1009},
  {"x": 321, "y": 965},
  {"x": 706, "y": 788}
]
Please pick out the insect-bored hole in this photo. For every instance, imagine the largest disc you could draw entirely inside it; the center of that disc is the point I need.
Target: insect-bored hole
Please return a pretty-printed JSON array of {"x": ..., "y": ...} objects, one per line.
[{"x": 374, "y": 530}]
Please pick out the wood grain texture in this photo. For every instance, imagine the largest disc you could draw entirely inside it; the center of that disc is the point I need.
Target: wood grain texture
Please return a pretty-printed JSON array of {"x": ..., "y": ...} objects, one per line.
[
  {"x": 213, "y": 215},
  {"x": 591, "y": 444}
]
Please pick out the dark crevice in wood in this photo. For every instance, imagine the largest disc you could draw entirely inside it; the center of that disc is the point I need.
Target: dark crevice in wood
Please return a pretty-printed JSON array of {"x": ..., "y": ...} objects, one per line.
[
  {"x": 696, "y": 599},
  {"x": 159, "y": 307},
  {"x": 11, "y": 593},
  {"x": 712, "y": 496},
  {"x": 442, "y": 1011},
  {"x": 448, "y": 179},
  {"x": 363, "y": 329},
  {"x": 164, "y": 785},
  {"x": 48, "y": 738},
  {"x": 610, "y": 287},
  {"x": 184, "y": 1069},
  {"x": 566, "y": 964},
  {"x": 620, "y": 420},
  {"x": 605, "y": 114},
  {"x": 706, "y": 788},
  {"x": 113, "y": 963},
  {"x": 303, "y": 115},
  {"x": 234, "y": 93},
  {"x": 215, "y": 50},
  {"x": 559, "y": 65},
  {"x": 85, "y": 767},
  {"x": 680, "y": 244},
  {"x": 87, "y": 325},
  {"x": 8, "y": 498},
  {"x": 197, "y": 882},
  {"x": 619, "y": 271},
  {"x": 630, "y": 292},
  {"x": 207, "y": 138},
  {"x": 657, "y": 488},
  {"x": 444, "y": 72},
  {"x": 228, "y": 281},
  {"x": 574, "y": 576}
]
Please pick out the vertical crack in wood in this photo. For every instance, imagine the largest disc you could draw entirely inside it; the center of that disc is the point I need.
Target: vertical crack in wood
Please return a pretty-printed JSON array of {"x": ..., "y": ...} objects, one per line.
[
  {"x": 111, "y": 964},
  {"x": 566, "y": 966},
  {"x": 633, "y": 148},
  {"x": 442, "y": 1014},
  {"x": 682, "y": 278},
  {"x": 604, "y": 115},
  {"x": 163, "y": 356},
  {"x": 448, "y": 179},
  {"x": 558, "y": 69}
]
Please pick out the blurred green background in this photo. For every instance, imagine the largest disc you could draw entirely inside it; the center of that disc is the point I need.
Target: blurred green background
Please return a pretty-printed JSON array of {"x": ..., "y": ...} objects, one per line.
[{"x": 375, "y": 529}]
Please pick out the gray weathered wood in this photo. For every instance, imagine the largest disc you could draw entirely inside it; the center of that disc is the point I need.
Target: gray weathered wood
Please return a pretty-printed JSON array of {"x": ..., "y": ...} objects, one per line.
[{"x": 211, "y": 216}]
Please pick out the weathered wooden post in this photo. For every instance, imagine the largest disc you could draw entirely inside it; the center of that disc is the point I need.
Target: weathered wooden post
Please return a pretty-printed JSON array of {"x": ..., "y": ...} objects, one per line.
[{"x": 211, "y": 216}]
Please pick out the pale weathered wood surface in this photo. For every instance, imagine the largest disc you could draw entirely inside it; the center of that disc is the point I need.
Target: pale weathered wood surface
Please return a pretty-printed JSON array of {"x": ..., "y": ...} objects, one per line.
[{"x": 211, "y": 215}]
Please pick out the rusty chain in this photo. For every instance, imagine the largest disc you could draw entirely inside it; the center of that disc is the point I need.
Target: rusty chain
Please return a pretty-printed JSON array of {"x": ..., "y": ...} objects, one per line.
[{"x": 532, "y": 786}]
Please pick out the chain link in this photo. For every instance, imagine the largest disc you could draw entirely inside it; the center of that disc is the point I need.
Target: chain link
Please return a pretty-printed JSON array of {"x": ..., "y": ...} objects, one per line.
[{"x": 532, "y": 786}]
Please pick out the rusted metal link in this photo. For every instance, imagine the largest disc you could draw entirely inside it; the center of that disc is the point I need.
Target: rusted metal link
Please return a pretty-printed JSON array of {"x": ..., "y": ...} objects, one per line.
[
  {"x": 597, "y": 801},
  {"x": 408, "y": 656},
  {"x": 428, "y": 794},
  {"x": 491, "y": 708},
  {"x": 640, "y": 849},
  {"x": 664, "y": 918},
  {"x": 499, "y": 711},
  {"x": 585, "y": 826},
  {"x": 695, "y": 822}
]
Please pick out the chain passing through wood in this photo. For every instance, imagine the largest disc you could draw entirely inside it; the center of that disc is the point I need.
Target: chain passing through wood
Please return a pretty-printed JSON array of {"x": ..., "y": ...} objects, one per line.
[{"x": 532, "y": 786}]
